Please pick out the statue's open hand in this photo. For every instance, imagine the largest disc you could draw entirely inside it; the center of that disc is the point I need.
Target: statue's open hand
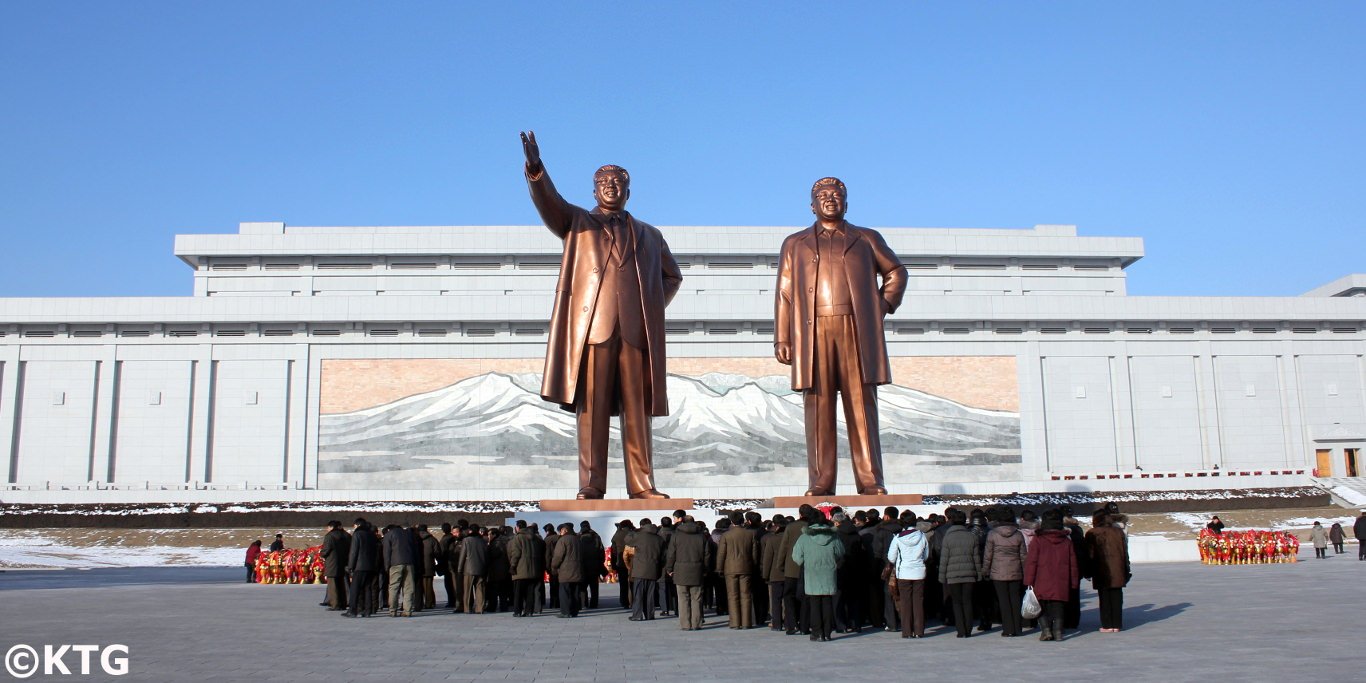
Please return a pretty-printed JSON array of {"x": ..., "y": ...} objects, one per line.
[
  {"x": 532, "y": 152},
  {"x": 783, "y": 352}
]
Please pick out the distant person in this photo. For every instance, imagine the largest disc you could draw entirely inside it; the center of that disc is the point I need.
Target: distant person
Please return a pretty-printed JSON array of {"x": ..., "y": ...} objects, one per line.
[
  {"x": 1216, "y": 525},
  {"x": 1319, "y": 536},
  {"x": 647, "y": 563},
  {"x": 278, "y": 543},
  {"x": 360, "y": 564},
  {"x": 254, "y": 553},
  {"x": 1003, "y": 562},
  {"x": 526, "y": 556},
  {"x": 592, "y": 555},
  {"x": 1108, "y": 556},
  {"x": 819, "y": 553},
  {"x": 336, "y": 552},
  {"x": 624, "y": 530},
  {"x": 1051, "y": 570},
  {"x": 1337, "y": 537},
  {"x": 907, "y": 556},
  {"x": 568, "y": 566},
  {"x": 398, "y": 557},
  {"x": 959, "y": 568},
  {"x": 1359, "y": 531},
  {"x": 431, "y": 565},
  {"x": 474, "y": 566},
  {"x": 686, "y": 561},
  {"x": 737, "y": 554}
]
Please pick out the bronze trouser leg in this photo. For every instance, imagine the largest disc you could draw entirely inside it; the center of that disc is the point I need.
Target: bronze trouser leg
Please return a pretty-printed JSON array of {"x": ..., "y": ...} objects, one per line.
[
  {"x": 836, "y": 368},
  {"x": 615, "y": 371},
  {"x": 636, "y": 443},
  {"x": 597, "y": 398}
]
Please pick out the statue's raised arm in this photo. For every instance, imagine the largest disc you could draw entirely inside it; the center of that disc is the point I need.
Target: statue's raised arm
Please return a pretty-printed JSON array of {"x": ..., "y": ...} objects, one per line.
[{"x": 533, "y": 153}]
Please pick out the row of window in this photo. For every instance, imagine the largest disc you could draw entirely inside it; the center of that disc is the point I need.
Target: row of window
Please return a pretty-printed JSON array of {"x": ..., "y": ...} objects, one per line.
[{"x": 475, "y": 330}]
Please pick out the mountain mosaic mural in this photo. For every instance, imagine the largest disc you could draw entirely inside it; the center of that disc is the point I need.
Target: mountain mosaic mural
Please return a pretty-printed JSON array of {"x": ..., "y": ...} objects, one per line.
[{"x": 493, "y": 430}]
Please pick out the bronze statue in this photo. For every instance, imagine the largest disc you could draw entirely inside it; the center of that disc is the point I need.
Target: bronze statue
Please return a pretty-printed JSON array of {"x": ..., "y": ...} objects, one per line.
[
  {"x": 605, "y": 355},
  {"x": 828, "y": 326}
]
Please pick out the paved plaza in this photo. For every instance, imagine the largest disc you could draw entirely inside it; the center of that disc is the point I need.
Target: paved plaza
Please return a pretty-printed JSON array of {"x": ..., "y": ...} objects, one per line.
[{"x": 1184, "y": 622}]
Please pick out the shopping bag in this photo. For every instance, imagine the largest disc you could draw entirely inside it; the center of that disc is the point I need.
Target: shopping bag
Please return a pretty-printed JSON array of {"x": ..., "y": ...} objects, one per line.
[{"x": 1030, "y": 607}]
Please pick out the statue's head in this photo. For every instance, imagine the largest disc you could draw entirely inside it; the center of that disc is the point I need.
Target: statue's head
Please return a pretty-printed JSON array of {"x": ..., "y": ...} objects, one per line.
[
  {"x": 612, "y": 187},
  {"x": 829, "y": 199}
]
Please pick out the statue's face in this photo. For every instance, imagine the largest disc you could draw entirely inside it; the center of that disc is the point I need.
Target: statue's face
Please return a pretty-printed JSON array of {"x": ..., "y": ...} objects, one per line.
[
  {"x": 828, "y": 203},
  {"x": 611, "y": 190}
]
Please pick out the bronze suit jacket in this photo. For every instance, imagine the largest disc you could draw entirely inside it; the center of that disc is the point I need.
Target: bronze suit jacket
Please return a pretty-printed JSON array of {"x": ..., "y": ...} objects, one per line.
[
  {"x": 587, "y": 248},
  {"x": 866, "y": 256}
]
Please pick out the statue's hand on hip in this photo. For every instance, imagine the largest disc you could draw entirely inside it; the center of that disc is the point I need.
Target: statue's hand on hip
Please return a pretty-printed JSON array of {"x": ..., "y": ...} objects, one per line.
[{"x": 783, "y": 352}]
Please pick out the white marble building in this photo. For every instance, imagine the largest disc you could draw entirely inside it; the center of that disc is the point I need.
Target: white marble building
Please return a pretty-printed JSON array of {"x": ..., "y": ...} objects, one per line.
[{"x": 142, "y": 398}]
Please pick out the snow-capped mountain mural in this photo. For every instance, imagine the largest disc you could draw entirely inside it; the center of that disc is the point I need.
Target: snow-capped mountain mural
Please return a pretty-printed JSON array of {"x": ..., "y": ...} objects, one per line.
[{"x": 723, "y": 429}]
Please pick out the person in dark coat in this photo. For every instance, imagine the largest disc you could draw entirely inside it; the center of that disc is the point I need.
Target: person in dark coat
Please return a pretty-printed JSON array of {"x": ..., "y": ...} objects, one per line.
[
  {"x": 1072, "y": 615},
  {"x": 399, "y": 558},
  {"x": 431, "y": 565},
  {"x": 499, "y": 590},
  {"x": 686, "y": 561},
  {"x": 1337, "y": 537},
  {"x": 624, "y": 530},
  {"x": 737, "y": 555},
  {"x": 361, "y": 557},
  {"x": 1359, "y": 532},
  {"x": 1108, "y": 553},
  {"x": 526, "y": 555},
  {"x": 552, "y": 537},
  {"x": 668, "y": 592},
  {"x": 1003, "y": 563},
  {"x": 474, "y": 565},
  {"x": 1216, "y": 525},
  {"x": 960, "y": 567},
  {"x": 335, "y": 552},
  {"x": 253, "y": 554},
  {"x": 850, "y": 609},
  {"x": 450, "y": 548},
  {"x": 1051, "y": 570},
  {"x": 646, "y": 566},
  {"x": 794, "y": 616},
  {"x": 593, "y": 556},
  {"x": 771, "y": 564},
  {"x": 568, "y": 566},
  {"x": 277, "y": 544}
]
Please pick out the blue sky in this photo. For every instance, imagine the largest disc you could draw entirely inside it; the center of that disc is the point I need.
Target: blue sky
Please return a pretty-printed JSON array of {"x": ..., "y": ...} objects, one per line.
[{"x": 1230, "y": 136}]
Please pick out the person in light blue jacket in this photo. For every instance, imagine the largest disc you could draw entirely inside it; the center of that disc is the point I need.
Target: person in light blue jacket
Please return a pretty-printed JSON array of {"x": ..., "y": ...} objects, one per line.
[{"x": 907, "y": 554}]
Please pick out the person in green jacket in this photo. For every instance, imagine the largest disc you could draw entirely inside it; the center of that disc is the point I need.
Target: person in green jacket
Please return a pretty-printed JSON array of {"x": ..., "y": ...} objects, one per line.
[{"x": 819, "y": 553}]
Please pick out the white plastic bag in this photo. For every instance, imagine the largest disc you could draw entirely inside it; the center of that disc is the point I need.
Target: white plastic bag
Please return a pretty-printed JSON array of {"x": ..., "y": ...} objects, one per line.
[{"x": 1030, "y": 607}]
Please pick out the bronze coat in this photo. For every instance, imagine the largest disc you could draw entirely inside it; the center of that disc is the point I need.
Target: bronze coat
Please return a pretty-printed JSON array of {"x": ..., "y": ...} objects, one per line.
[
  {"x": 866, "y": 255},
  {"x": 587, "y": 249}
]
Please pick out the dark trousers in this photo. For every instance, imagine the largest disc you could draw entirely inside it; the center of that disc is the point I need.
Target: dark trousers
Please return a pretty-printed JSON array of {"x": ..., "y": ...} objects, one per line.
[
  {"x": 1321, "y": 553},
  {"x": 524, "y": 596},
  {"x": 337, "y": 591},
  {"x": 793, "y": 617},
  {"x": 448, "y": 581},
  {"x": 984, "y": 605},
  {"x": 718, "y": 591},
  {"x": 961, "y": 595},
  {"x": 821, "y": 610},
  {"x": 251, "y": 573},
  {"x": 588, "y": 593},
  {"x": 643, "y": 604},
  {"x": 912, "y": 594},
  {"x": 1051, "y": 620},
  {"x": 1337, "y": 548},
  {"x": 458, "y": 582},
  {"x": 738, "y": 601},
  {"x": 1361, "y": 548},
  {"x": 876, "y": 590},
  {"x": 759, "y": 592},
  {"x": 1071, "y": 617},
  {"x": 569, "y": 599},
  {"x": 668, "y": 595},
  {"x": 1010, "y": 596},
  {"x": 623, "y": 588},
  {"x": 775, "y": 604},
  {"x": 554, "y": 592},
  {"x": 1111, "y": 607},
  {"x": 362, "y": 595},
  {"x": 849, "y": 609}
]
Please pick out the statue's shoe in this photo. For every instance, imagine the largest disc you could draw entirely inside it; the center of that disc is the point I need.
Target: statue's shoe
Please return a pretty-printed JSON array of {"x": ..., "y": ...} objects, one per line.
[
  {"x": 589, "y": 493},
  {"x": 814, "y": 492},
  {"x": 875, "y": 491},
  {"x": 652, "y": 493}
]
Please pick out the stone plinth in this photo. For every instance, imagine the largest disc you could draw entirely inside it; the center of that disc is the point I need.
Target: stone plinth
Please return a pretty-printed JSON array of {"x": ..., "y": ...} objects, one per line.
[
  {"x": 618, "y": 505},
  {"x": 852, "y": 502}
]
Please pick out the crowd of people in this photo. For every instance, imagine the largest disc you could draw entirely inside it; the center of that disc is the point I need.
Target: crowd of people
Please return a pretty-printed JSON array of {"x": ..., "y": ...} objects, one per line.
[{"x": 817, "y": 574}]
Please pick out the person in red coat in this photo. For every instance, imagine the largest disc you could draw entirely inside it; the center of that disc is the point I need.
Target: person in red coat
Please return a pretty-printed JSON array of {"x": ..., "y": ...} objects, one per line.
[
  {"x": 253, "y": 552},
  {"x": 1051, "y": 570}
]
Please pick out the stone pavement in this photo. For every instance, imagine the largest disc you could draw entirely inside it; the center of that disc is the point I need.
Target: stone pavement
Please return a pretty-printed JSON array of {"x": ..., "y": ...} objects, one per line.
[{"x": 1184, "y": 622}]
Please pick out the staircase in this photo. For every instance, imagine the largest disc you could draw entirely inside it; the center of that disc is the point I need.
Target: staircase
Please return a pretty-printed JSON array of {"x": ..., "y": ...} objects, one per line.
[{"x": 1349, "y": 492}]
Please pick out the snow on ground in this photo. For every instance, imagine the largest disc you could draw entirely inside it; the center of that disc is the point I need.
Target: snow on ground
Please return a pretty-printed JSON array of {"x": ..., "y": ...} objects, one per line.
[
  {"x": 1197, "y": 521},
  {"x": 35, "y": 549}
]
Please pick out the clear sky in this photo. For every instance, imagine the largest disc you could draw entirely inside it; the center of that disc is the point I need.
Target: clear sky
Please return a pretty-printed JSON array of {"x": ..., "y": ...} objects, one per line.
[{"x": 1230, "y": 136}]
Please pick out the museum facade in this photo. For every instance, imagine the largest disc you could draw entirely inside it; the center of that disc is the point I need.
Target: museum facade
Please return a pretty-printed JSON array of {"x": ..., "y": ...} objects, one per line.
[{"x": 320, "y": 362}]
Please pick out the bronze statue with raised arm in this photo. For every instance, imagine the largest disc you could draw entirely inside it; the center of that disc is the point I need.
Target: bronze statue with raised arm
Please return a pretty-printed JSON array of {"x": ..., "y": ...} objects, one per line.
[
  {"x": 828, "y": 315},
  {"x": 605, "y": 355}
]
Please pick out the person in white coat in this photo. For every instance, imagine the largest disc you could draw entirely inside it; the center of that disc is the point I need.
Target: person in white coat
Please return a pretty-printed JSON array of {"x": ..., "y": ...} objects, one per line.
[{"x": 906, "y": 555}]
